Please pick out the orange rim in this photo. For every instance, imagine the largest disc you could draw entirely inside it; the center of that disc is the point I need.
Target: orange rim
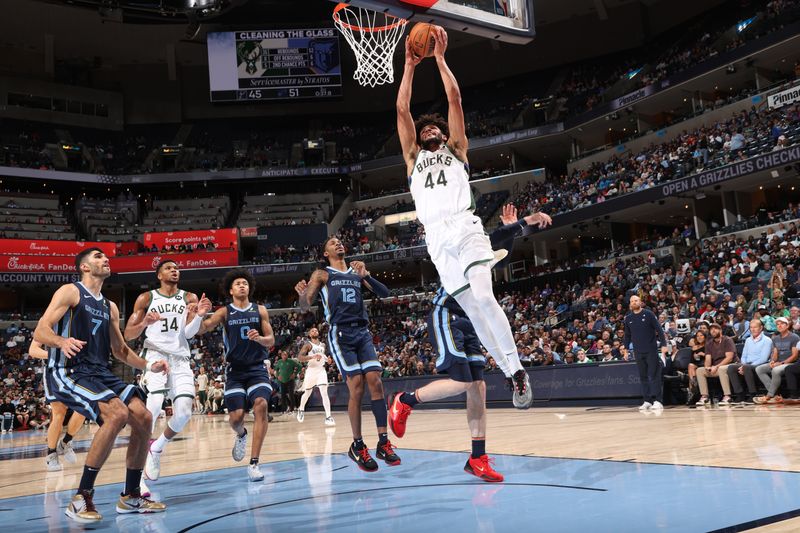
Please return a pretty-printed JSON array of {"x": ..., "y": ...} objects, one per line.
[{"x": 342, "y": 5}]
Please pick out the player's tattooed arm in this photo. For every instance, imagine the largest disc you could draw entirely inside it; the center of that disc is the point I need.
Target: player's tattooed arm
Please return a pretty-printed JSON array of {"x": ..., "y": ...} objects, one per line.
[
  {"x": 123, "y": 352},
  {"x": 303, "y": 356},
  {"x": 307, "y": 290},
  {"x": 65, "y": 297},
  {"x": 140, "y": 318},
  {"x": 210, "y": 323}
]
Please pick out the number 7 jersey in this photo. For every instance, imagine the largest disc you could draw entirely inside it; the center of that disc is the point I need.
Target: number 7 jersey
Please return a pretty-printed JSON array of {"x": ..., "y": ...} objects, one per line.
[
  {"x": 166, "y": 336},
  {"x": 439, "y": 185}
]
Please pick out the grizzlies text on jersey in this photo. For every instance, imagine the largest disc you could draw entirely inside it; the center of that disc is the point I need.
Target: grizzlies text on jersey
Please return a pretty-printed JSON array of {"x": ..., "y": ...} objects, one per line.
[{"x": 241, "y": 352}]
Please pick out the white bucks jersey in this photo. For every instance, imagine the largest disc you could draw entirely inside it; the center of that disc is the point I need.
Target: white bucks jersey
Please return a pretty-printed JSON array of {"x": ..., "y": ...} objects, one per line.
[
  {"x": 316, "y": 349},
  {"x": 439, "y": 185},
  {"x": 167, "y": 335}
]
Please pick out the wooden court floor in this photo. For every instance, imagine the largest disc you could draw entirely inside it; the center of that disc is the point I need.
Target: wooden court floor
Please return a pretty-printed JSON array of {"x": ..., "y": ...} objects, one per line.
[{"x": 754, "y": 437}]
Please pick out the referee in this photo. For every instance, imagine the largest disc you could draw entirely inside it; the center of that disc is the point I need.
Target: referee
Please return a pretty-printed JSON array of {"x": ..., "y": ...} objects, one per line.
[{"x": 644, "y": 332}]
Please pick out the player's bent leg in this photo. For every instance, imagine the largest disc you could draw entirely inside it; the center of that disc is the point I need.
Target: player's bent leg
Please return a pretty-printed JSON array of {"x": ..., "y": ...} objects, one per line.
[
  {"x": 236, "y": 421},
  {"x": 155, "y": 400},
  {"x": 57, "y": 412},
  {"x": 259, "y": 433}
]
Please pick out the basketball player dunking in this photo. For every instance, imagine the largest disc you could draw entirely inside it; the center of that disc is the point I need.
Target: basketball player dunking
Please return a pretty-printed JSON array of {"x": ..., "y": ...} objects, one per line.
[
  {"x": 165, "y": 317},
  {"x": 58, "y": 417},
  {"x": 81, "y": 379},
  {"x": 435, "y": 152},
  {"x": 313, "y": 354},
  {"x": 351, "y": 343},
  {"x": 247, "y": 334},
  {"x": 459, "y": 356}
]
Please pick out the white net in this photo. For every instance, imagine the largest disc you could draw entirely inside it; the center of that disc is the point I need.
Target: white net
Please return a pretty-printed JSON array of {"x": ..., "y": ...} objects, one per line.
[{"x": 373, "y": 37}]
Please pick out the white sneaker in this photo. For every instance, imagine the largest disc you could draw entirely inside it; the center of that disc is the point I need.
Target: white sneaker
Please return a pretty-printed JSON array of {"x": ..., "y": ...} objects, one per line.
[
  {"x": 152, "y": 467},
  {"x": 301, "y": 415},
  {"x": 239, "y": 447},
  {"x": 52, "y": 463},
  {"x": 67, "y": 451},
  {"x": 499, "y": 255},
  {"x": 703, "y": 401},
  {"x": 645, "y": 406},
  {"x": 726, "y": 400},
  {"x": 144, "y": 490},
  {"x": 254, "y": 473},
  {"x": 329, "y": 421},
  {"x": 657, "y": 406}
]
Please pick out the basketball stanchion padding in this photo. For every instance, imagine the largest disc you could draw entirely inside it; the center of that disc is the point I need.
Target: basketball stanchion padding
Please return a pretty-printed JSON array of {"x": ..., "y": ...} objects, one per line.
[
  {"x": 420, "y": 3},
  {"x": 373, "y": 37}
]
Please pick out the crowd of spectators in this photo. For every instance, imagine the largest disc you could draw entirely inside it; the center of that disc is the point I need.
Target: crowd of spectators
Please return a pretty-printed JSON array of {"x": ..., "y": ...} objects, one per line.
[{"x": 743, "y": 135}]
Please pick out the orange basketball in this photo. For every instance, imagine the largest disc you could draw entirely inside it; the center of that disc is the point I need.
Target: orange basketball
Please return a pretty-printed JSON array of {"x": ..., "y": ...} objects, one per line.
[{"x": 421, "y": 38}]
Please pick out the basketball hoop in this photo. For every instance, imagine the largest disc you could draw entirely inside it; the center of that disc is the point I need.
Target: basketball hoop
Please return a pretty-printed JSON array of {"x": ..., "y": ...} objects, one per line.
[{"x": 373, "y": 37}]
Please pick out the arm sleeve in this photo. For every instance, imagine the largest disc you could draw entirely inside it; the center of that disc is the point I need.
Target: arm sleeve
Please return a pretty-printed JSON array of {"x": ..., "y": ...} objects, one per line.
[
  {"x": 192, "y": 327},
  {"x": 503, "y": 237},
  {"x": 380, "y": 290}
]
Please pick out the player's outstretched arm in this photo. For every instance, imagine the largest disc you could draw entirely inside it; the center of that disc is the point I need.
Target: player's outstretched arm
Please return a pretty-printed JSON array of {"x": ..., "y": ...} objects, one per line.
[
  {"x": 267, "y": 340},
  {"x": 211, "y": 323},
  {"x": 65, "y": 297},
  {"x": 380, "y": 290},
  {"x": 123, "y": 352},
  {"x": 457, "y": 140},
  {"x": 140, "y": 318},
  {"x": 307, "y": 291},
  {"x": 405, "y": 122}
]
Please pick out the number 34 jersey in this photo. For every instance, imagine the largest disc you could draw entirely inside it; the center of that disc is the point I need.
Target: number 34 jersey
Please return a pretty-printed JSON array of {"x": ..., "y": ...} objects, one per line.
[
  {"x": 167, "y": 335},
  {"x": 439, "y": 185}
]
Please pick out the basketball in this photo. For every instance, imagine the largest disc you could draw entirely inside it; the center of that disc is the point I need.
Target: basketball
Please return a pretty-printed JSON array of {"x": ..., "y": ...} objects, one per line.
[{"x": 422, "y": 39}]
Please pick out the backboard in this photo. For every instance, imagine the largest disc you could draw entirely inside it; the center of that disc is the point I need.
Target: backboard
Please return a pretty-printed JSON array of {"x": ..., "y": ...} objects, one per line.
[{"x": 502, "y": 20}]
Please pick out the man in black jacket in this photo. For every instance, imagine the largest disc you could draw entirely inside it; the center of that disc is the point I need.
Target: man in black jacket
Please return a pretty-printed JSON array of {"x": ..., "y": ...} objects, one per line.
[{"x": 644, "y": 332}]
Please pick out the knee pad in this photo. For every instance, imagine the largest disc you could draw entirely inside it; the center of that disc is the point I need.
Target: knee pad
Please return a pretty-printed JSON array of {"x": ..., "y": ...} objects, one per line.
[{"x": 181, "y": 413}]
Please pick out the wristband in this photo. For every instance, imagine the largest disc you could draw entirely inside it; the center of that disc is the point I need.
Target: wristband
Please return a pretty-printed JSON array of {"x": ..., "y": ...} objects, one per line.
[
  {"x": 148, "y": 366},
  {"x": 192, "y": 327}
]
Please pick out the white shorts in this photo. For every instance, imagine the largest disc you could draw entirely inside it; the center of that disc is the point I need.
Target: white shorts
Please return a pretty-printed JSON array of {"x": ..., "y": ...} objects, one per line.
[
  {"x": 456, "y": 245},
  {"x": 315, "y": 377},
  {"x": 179, "y": 381}
]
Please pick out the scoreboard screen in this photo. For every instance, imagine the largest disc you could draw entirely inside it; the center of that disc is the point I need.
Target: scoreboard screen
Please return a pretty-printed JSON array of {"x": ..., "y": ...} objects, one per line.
[{"x": 274, "y": 64}]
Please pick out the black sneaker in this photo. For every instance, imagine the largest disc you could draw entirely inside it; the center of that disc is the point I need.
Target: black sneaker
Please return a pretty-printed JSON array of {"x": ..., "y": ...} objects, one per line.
[
  {"x": 523, "y": 395},
  {"x": 362, "y": 458},
  {"x": 385, "y": 452}
]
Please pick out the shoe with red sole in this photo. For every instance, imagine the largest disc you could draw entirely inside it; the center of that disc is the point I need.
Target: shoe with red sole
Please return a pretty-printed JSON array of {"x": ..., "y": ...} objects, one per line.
[
  {"x": 482, "y": 467},
  {"x": 398, "y": 415},
  {"x": 385, "y": 452},
  {"x": 362, "y": 458}
]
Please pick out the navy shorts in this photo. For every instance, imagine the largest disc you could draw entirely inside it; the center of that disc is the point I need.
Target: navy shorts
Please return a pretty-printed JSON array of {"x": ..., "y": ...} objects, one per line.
[
  {"x": 353, "y": 351},
  {"x": 82, "y": 388},
  {"x": 243, "y": 386},
  {"x": 457, "y": 346}
]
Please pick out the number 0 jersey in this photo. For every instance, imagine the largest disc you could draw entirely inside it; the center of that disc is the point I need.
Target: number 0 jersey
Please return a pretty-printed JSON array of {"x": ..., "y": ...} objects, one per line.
[
  {"x": 240, "y": 351},
  {"x": 167, "y": 335},
  {"x": 439, "y": 185}
]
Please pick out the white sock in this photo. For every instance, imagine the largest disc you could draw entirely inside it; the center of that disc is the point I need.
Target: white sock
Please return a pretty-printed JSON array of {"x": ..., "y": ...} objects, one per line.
[{"x": 158, "y": 444}]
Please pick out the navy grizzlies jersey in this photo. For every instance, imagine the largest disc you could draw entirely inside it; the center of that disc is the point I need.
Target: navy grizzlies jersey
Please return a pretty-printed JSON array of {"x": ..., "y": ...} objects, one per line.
[
  {"x": 342, "y": 299},
  {"x": 88, "y": 321},
  {"x": 239, "y": 350}
]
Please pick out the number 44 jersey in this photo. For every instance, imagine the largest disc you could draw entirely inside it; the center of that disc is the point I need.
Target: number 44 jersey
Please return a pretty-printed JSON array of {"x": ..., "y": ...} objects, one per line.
[
  {"x": 439, "y": 185},
  {"x": 167, "y": 335}
]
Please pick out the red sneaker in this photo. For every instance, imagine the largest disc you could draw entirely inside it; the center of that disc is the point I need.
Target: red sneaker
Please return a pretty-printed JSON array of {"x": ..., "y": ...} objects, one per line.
[
  {"x": 398, "y": 415},
  {"x": 482, "y": 468}
]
